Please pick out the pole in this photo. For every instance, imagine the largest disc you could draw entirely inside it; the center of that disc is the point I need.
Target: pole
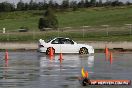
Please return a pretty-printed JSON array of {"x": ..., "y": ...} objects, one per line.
[
  {"x": 67, "y": 29},
  {"x": 130, "y": 29},
  {"x": 107, "y": 31},
  {"x": 58, "y": 32},
  {"x": 106, "y": 28},
  {"x": 84, "y": 30},
  {"x": 33, "y": 34},
  {"x": 8, "y": 36}
]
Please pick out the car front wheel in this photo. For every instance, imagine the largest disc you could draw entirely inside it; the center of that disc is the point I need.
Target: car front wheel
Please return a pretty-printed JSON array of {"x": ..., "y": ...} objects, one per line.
[{"x": 83, "y": 50}]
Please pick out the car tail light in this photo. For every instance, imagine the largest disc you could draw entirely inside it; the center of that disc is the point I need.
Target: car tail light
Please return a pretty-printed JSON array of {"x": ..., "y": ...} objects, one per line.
[{"x": 41, "y": 46}]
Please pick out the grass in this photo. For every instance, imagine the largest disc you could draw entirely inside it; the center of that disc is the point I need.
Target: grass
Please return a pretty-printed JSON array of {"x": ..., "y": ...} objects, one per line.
[
  {"x": 91, "y": 16},
  {"x": 96, "y": 17},
  {"x": 15, "y": 20},
  {"x": 77, "y": 36},
  {"x": 116, "y": 17}
]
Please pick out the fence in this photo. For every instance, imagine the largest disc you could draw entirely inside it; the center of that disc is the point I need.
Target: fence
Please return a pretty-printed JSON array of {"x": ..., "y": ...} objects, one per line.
[{"x": 103, "y": 33}]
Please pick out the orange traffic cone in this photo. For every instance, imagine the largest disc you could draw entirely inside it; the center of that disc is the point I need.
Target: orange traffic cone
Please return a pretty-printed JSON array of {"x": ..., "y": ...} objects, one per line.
[
  {"x": 106, "y": 53},
  {"x": 111, "y": 58},
  {"x": 51, "y": 52},
  {"x": 6, "y": 56},
  {"x": 61, "y": 58},
  {"x": 106, "y": 50},
  {"x": 51, "y": 57},
  {"x": 86, "y": 74}
]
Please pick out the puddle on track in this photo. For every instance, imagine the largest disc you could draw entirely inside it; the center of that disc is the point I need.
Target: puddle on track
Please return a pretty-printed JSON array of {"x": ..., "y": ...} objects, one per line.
[{"x": 35, "y": 70}]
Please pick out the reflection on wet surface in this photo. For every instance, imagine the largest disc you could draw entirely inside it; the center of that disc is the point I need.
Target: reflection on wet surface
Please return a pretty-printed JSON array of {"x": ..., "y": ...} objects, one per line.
[{"x": 32, "y": 70}]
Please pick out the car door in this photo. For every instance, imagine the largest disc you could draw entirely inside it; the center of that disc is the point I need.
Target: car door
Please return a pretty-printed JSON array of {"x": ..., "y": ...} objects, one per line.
[
  {"x": 56, "y": 44},
  {"x": 68, "y": 46}
]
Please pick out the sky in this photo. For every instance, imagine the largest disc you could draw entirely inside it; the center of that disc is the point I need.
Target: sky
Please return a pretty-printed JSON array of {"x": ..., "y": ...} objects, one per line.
[{"x": 16, "y": 1}]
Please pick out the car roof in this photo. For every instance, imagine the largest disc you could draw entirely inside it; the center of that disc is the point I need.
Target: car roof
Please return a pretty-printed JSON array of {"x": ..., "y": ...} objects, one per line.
[{"x": 61, "y": 37}]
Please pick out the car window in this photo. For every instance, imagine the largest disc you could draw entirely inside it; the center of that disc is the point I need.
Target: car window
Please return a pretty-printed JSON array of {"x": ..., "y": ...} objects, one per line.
[
  {"x": 56, "y": 41},
  {"x": 62, "y": 41},
  {"x": 67, "y": 41},
  {"x": 48, "y": 40}
]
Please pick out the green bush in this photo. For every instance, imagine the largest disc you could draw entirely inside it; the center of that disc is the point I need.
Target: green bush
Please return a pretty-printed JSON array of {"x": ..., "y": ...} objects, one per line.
[{"x": 49, "y": 20}]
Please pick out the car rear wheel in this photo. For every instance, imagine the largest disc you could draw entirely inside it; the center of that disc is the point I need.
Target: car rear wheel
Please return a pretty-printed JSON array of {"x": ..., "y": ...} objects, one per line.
[
  {"x": 48, "y": 50},
  {"x": 83, "y": 50}
]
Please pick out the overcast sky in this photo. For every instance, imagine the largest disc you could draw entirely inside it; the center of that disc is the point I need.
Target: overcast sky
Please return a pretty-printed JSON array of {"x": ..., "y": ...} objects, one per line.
[{"x": 16, "y": 1}]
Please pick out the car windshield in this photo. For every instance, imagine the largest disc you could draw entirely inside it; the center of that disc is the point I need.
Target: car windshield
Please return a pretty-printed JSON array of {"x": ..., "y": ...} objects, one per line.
[{"x": 48, "y": 40}]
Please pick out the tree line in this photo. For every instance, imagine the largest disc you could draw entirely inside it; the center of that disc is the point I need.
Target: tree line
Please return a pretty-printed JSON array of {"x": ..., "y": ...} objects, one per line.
[{"x": 66, "y": 4}]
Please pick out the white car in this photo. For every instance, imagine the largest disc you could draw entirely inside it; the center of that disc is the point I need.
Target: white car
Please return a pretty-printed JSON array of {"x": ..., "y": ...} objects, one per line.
[{"x": 64, "y": 45}]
